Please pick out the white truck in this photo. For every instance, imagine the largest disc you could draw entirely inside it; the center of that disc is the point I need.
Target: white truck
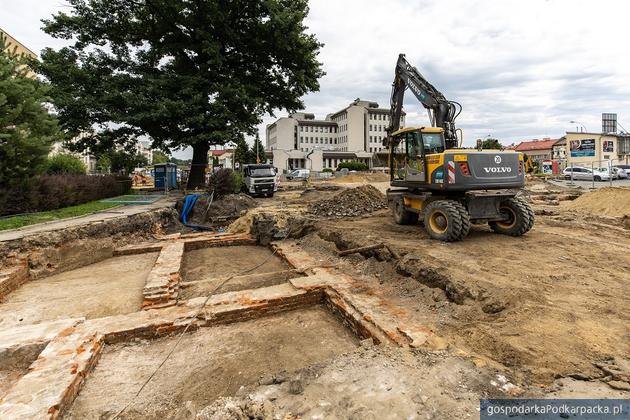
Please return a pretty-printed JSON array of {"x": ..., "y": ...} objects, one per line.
[{"x": 260, "y": 179}]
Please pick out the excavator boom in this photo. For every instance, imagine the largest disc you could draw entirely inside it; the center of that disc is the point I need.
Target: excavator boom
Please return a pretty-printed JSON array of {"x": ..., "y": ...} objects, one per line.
[{"x": 442, "y": 112}]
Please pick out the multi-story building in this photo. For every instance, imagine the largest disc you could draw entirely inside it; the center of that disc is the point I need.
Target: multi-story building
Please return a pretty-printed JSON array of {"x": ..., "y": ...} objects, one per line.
[{"x": 353, "y": 133}]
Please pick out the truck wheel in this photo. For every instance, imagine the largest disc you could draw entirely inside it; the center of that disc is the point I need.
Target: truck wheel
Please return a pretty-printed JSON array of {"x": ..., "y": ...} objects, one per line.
[
  {"x": 520, "y": 218},
  {"x": 403, "y": 216},
  {"x": 446, "y": 220}
]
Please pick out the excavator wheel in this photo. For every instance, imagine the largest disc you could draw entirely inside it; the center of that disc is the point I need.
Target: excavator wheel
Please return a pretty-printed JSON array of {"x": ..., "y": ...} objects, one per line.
[
  {"x": 403, "y": 216},
  {"x": 520, "y": 218},
  {"x": 446, "y": 220}
]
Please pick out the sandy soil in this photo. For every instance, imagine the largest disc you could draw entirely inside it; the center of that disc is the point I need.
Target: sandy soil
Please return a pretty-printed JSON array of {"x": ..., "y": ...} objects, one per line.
[
  {"x": 544, "y": 305},
  {"x": 369, "y": 383},
  {"x": 110, "y": 287},
  {"x": 215, "y": 262},
  {"x": 208, "y": 364}
]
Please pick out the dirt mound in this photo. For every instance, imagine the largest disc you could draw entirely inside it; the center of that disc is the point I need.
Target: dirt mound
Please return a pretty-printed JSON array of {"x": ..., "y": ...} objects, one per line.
[
  {"x": 226, "y": 209},
  {"x": 613, "y": 201},
  {"x": 351, "y": 202}
]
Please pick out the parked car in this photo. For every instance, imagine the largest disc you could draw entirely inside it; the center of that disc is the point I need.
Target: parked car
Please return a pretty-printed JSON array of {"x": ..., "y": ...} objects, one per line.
[
  {"x": 621, "y": 172},
  {"x": 602, "y": 174},
  {"x": 586, "y": 174},
  {"x": 299, "y": 174}
]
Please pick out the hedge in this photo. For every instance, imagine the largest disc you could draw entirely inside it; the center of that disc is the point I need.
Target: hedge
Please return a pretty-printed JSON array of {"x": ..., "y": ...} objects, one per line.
[
  {"x": 353, "y": 165},
  {"x": 50, "y": 192}
]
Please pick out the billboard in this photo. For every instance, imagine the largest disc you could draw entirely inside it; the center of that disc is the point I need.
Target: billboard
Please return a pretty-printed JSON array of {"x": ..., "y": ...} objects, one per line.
[
  {"x": 582, "y": 148},
  {"x": 608, "y": 146},
  {"x": 609, "y": 123}
]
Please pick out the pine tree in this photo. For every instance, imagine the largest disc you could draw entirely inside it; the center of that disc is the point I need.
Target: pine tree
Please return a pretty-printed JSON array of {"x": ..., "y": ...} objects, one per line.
[
  {"x": 258, "y": 151},
  {"x": 27, "y": 129},
  {"x": 242, "y": 154}
]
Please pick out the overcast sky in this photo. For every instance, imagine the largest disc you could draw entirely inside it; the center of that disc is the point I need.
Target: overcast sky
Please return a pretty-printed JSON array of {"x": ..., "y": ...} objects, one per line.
[{"x": 521, "y": 69}]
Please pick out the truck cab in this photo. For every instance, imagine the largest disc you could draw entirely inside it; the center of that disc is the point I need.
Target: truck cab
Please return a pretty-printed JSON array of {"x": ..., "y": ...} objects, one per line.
[{"x": 260, "y": 179}]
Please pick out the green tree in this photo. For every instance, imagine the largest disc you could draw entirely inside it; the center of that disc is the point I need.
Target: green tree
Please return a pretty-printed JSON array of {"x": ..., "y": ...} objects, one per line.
[
  {"x": 490, "y": 143},
  {"x": 159, "y": 157},
  {"x": 185, "y": 73},
  {"x": 27, "y": 129},
  {"x": 64, "y": 163},
  {"x": 242, "y": 154},
  {"x": 124, "y": 162},
  {"x": 258, "y": 151},
  {"x": 104, "y": 164}
]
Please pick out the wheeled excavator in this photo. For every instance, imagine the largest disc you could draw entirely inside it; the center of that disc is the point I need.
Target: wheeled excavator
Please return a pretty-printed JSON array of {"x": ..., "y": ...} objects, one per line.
[{"x": 434, "y": 179}]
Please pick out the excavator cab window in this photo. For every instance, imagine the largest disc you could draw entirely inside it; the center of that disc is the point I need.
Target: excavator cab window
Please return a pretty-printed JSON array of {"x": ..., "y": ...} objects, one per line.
[{"x": 433, "y": 143}]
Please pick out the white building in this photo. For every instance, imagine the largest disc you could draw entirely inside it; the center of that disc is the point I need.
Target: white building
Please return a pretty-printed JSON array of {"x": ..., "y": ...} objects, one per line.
[
  {"x": 353, "y": 133},
  {"x": 88, "y": 160},
  {"x": 143, "y": 147}
]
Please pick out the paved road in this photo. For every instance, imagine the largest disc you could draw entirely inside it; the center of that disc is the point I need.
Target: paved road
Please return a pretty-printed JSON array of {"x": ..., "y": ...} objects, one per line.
[
  {"x": 123, "y": 211},
  {"x": 589, "y": 184}
]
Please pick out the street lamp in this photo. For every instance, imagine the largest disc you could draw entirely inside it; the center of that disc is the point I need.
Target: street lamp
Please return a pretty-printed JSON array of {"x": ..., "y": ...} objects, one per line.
[{"x": 577, "y": 122}]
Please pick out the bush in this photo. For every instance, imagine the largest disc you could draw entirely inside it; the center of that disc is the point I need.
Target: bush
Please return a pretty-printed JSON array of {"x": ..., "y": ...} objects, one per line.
[
  {"x": 353, "y": 165},
  {"x": 238, "y": 182},
  {"x": 64, "y": 164},
  {"x": 224, "y": 182},
  {"x": 50, "y": 192},
  {"x": 327, "y": 170}
]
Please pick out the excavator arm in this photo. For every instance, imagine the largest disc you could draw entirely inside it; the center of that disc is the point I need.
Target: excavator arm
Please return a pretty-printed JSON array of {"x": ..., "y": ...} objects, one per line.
[{"x": 442, "y": 112}]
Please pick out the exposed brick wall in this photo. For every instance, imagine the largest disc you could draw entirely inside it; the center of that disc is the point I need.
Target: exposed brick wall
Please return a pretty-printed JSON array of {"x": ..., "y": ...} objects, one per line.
[{"x": 12, "y": 278}]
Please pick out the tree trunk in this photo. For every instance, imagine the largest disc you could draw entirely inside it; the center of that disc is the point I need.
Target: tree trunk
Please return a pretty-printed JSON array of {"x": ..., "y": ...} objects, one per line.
[{"x": 197, "y": 176}]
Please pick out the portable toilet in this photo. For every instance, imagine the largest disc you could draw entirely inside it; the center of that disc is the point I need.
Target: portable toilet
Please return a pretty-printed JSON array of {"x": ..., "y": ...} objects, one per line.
[{"x": 165, "y": 175}]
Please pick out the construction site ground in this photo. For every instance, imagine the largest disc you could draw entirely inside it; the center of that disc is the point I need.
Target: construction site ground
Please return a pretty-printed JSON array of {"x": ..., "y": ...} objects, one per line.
[{"x": 266, "y": 320}]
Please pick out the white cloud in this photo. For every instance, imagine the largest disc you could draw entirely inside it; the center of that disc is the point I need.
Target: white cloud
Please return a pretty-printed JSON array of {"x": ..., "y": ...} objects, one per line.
[{"x": 521, "y": 69}]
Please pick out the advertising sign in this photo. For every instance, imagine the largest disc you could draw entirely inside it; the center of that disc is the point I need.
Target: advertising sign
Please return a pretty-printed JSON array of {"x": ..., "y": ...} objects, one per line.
[
  {"x": 582, "y": 148},
  {"x": 608, "y": 146}
]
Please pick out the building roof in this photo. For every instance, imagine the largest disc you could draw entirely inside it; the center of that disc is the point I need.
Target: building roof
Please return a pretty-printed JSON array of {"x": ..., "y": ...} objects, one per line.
[{"x": 544, "y": 144}]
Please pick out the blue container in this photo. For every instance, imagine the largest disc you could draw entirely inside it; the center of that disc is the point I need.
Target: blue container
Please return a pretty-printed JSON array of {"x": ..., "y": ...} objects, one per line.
[{"x": 165, "y": 175}]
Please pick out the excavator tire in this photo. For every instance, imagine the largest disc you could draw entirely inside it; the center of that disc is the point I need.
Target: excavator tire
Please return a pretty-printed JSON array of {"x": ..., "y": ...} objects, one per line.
[
  {"x": 446, "y": 220},
  {"x": 520, "y": 218},
  {"x": 403, "y": 216},
  {"x": 465, "y": 218}
]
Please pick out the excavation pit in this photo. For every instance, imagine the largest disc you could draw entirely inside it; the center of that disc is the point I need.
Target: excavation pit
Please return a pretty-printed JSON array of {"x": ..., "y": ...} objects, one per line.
[
  {"x": 208, "y": 363},
  {"x": 225, "y": 269},
  {"x": 110, "y": 287}
]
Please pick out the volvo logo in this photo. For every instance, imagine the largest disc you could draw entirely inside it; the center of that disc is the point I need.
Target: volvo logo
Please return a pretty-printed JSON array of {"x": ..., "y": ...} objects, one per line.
[
  {"x": 496, "y": 170},
  {"x": 497, "y": 159}
]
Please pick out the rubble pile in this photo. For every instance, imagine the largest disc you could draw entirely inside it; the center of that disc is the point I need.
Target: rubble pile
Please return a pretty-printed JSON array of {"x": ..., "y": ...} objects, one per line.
[{"x": 350, "y": 202}]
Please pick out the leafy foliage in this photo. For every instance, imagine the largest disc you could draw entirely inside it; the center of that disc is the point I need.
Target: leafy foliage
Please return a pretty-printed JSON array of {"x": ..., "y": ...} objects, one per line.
[
  {"x": 159, "y": 157},
  {"x": 491, "y": 143},
  {"x": 327, "y": 170},
  {"x": 65, "y": 164},
  {"x": 242, "y": 154},
  {"x": 184, "y": 73},
  {"x": 27, "y": 130},
  {"x": 224, "y": 182},
  {"x": 258, "y": 151},
  {"x": 50, "y": 192},
  {"x": 353, "y": 165},
  {"x": 122, "y": 161}
]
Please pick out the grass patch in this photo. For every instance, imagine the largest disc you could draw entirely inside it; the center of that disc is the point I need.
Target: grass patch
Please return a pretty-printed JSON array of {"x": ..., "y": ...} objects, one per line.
[{"x": 15, "y": 222}]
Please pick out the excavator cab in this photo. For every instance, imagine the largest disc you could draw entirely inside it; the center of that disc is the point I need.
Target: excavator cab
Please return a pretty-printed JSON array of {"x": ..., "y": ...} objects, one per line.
[{"x": 414, "y": 148}]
